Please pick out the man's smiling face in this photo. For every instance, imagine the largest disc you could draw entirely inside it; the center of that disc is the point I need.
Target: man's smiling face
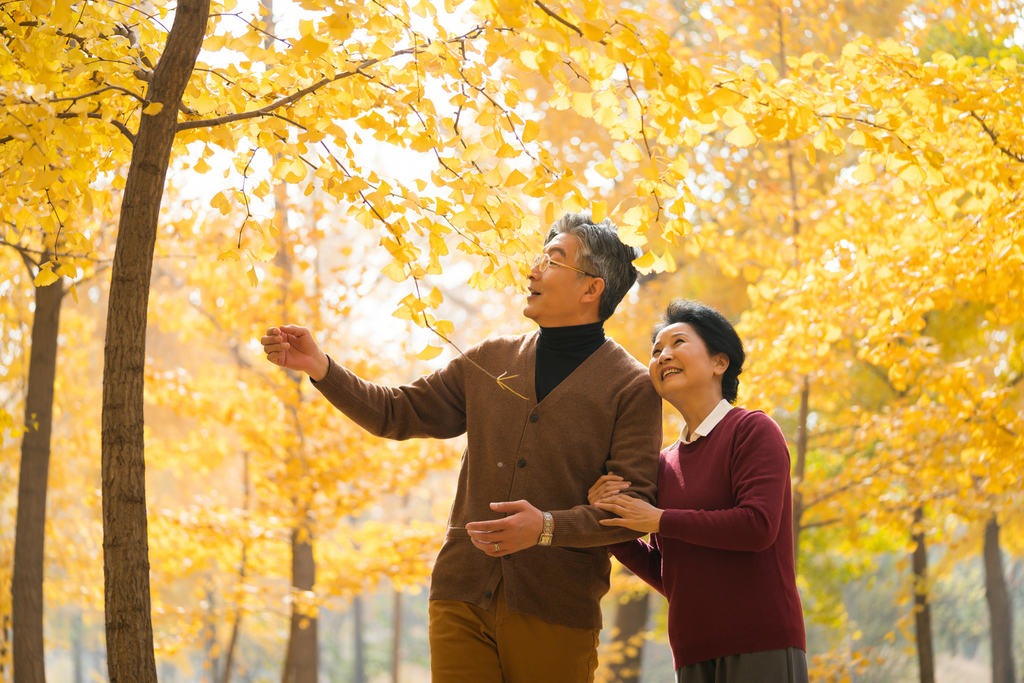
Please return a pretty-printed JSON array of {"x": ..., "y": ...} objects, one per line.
[{"x": 554, "y": 296}]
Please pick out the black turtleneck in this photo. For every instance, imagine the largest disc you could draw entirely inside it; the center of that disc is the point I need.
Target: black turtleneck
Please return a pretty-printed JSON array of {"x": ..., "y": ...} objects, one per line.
[{"x": 560, "y": 350}]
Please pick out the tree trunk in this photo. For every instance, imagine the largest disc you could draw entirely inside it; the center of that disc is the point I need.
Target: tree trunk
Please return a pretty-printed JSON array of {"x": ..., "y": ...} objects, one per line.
[
  {"x": 922, "y": 612},
  {"x": 999, "y": 607},
  {"x": 358, "y": 660},
  {"x": 630, "y": 621},
  {"x": 76, "y": 648},
  {"x": 212, "y": 655},
  {"x": 30, "y": 532},
  {"x": 396, "y": 638},
  {"x": 300, "y": 664},
  {"x": 129, "y": 624},
  {"x": 229, "y": 656},
  {"x": 799, "y": 469}
]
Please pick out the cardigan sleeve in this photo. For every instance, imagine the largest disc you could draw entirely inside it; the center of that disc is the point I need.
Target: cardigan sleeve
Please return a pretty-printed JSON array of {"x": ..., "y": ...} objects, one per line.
[
  {"x": 760, "y": 473},
  {"x": 432, "y": 406},
  {"x": 643, "y": 558},
  {"x": 633, "y": 455}
]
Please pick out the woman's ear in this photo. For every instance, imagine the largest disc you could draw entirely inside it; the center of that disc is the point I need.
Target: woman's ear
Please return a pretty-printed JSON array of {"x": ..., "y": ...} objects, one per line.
[{"x": 720, "y": 363}]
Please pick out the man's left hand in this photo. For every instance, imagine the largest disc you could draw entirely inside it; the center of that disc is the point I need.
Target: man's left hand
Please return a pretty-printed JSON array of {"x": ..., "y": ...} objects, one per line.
[{"x": 500, "y": 537}]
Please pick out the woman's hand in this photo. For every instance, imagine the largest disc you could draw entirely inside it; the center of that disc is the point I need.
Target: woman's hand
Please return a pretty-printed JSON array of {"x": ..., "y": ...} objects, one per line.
[
  {"x": 633, "y": 513},
  {"x": 605, "y": 487}
]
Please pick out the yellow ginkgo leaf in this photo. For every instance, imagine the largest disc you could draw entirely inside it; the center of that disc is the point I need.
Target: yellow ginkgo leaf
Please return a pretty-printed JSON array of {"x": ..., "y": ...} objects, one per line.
[
  {"x": 429, "y": 352},
  {"x": 741, "y": 136},
  {"x": 45, "y": 278},
  {"x": 153, "y": 108}
]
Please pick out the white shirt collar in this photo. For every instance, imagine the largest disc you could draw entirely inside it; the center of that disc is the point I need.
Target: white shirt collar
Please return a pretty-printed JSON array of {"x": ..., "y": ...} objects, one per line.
[{"x": 709, "y": 423}]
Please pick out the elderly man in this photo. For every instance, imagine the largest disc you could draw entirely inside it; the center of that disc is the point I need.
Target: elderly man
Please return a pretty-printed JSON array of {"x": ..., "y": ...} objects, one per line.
[{"x": 516, "y": 589}]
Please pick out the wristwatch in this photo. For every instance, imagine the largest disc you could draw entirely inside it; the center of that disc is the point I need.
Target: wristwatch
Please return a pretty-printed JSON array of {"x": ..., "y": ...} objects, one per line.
[{"x": 547, "y": 531}]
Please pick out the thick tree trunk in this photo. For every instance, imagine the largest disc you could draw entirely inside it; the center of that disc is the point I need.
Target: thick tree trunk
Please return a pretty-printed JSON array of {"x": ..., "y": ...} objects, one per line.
[
  {"x": 922, "y": 612},
  {"x": 999, "y": 607},
  {"x": 799, "y": 469},
  {"x": 29, "y": 534},
  {"x": 129, "y": 624},
  {"x": 301, "y": 660},
  {"x": 630, "y": 621}
]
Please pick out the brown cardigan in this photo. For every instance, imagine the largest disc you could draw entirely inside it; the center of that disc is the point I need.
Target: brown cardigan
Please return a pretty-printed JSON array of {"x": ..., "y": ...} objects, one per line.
[{"x": 604, "y": 417}]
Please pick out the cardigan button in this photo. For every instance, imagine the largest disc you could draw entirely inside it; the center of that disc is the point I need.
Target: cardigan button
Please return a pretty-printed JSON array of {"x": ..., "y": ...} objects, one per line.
[
  {"x": 522, "y": 462},
  {"x": 534, "y": 417},
  {"x": 487, "y": 594}
]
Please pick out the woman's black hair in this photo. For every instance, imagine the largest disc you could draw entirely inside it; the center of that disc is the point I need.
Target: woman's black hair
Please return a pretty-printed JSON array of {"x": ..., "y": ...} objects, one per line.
[{"x": 717, "y": 333}]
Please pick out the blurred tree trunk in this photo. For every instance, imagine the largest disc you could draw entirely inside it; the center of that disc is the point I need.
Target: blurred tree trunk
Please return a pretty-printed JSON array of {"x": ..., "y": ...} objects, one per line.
[
  {"x": 799, "y": 470},
  {"x": 630, "y": 622},
  {"x": 129, "y": 624},
  {"x": 358, "y": 661},
  {"x": 999, "y": 607},
  {"x": 76, "y": 648},
  {"x": 212, "y": 650},
  {"x": 229, "y": 655},
  {"x": 922, "y": 611},
  {"x": 301, "y": 660},
  {"x": 30, "y": 529},
  {"x": 396, "y": 637}
]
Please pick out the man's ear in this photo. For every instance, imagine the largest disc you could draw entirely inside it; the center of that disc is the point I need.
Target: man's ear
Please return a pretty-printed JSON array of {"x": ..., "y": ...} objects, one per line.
[
  {"x": 593, "y": 290},
  {"x": 720, "y": 363}
]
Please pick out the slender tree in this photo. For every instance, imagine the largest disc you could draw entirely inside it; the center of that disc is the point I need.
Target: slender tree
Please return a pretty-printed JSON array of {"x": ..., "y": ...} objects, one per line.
[
  {"x": 129, "y": 624},
  {"x": 1000, "y": 608},
  {"x": 27, "y": 582}
]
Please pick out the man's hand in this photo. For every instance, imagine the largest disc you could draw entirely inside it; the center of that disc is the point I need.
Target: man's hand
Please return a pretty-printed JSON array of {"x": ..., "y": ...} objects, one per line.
[
  {"x": 293, "y": 347},
  {"x": 633, "y": 513},
  {"x": 606, "y": 487},
  {"x": 500, "y": 537}
]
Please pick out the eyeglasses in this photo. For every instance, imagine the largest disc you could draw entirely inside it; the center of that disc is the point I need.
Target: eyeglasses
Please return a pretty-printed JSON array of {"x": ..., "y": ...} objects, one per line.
[{"x": 542, "y": 261}]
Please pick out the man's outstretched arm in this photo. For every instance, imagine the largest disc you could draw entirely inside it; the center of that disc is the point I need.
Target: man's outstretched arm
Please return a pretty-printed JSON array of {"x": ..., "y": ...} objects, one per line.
[{"x": 432, "y": 406}]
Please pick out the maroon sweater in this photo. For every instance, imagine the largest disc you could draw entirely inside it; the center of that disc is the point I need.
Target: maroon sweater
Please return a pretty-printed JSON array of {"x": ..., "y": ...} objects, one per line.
[{"x": 724, "y": 553}]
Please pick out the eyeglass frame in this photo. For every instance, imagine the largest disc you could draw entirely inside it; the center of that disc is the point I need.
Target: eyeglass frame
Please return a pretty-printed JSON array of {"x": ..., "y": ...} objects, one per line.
[{"x": 542, "y": 261}]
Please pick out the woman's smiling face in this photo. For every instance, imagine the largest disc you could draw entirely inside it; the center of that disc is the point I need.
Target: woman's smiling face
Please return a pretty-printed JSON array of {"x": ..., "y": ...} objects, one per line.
[{"x": 680, "y": 362}]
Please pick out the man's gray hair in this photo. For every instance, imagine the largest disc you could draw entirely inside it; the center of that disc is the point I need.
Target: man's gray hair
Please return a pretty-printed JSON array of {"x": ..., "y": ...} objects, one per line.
[{"x": 601, "y": 253}]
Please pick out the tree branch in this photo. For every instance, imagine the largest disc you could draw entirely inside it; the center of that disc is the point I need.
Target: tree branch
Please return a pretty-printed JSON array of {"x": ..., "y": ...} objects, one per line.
[
  {"x": 995, "y": 138},
  {"x": 96, "y": 115},
  {"x": 294, "y": 97}
]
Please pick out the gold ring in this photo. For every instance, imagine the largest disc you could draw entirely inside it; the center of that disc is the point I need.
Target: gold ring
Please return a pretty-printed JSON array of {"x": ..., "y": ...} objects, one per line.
[{"x": 497, "y": 548}]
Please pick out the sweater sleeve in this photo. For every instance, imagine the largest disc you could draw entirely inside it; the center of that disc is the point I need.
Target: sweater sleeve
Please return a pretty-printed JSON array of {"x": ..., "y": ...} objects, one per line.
[
  {"x": 760, "y": 471},
  {"x": 432, "y": 406},
  {"x": 635, "y": 445},
  {"x": 643, "y": 559}
]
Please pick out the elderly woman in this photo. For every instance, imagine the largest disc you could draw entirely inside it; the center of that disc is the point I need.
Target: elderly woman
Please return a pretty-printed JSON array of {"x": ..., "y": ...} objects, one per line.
[{"x": 721, "y": 544}]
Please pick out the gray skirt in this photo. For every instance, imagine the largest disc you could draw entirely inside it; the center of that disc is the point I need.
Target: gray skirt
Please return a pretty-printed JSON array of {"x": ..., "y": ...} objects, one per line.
[{"x": 770, "y": 666}]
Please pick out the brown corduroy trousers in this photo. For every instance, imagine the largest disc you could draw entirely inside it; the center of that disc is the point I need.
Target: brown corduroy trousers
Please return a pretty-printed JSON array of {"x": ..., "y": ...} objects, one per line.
[{"x": 472, "y": 645}]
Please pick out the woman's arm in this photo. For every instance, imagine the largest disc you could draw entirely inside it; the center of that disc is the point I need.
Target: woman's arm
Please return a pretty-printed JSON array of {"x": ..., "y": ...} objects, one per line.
[
  {"x": 643, "y": 559},
  {"x": 760, "y": 481},
  {"x": 760, "y": 476}
]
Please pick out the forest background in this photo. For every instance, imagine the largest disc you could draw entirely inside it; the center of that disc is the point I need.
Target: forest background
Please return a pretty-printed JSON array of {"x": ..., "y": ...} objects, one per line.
[{"x": 842, "y": 179}]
